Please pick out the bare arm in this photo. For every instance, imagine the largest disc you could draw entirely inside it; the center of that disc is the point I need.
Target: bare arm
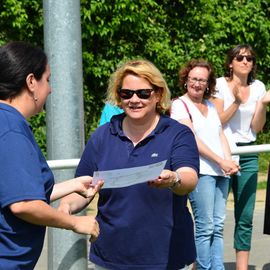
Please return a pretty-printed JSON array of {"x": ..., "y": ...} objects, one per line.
[
  {"x": 226, "y": 164},
  {"x": 81, "y": 185},
  {"x": 40, "y": 213},
  {"x": 233, "y": 166},
  {"x": 225, "y": 115},
  {"x": 73, "y": 203},
  {"x": 259, "y": 118},
  {"x": 225, "y": 146}
]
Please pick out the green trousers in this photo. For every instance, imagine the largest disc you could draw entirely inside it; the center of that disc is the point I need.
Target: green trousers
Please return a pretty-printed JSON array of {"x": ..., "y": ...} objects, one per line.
[{"x": 244, "y": 188}]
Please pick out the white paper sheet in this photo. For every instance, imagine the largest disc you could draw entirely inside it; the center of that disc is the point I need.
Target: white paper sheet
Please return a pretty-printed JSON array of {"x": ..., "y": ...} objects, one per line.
[{"x": 129, "y": 176}]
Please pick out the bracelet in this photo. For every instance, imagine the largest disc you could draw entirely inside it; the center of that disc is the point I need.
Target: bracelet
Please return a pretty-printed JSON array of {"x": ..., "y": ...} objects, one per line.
[{"x": 177, "y": 181}]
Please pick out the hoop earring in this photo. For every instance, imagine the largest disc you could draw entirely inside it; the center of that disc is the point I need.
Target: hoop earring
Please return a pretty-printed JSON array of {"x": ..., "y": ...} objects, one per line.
[{"x": 185, "y": 86}]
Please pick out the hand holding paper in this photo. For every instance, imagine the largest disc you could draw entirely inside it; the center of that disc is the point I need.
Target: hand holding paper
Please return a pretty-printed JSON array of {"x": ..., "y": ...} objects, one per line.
[{"x": 129, "y": 176}]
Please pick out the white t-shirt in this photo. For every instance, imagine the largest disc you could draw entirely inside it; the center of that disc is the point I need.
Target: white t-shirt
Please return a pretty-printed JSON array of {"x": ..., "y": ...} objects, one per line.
[
  {"x": 241, "y": 120},
  {"x": 206, "y": 128}
]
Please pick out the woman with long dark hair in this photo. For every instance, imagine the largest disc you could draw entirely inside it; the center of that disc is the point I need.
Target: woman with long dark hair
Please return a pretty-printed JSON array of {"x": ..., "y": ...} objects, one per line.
[{"x": 241, "y": 101}]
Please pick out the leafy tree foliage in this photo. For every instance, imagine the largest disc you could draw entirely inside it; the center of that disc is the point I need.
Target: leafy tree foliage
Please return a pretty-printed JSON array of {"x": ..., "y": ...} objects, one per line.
[
  {"x": 21, "y": 20},
  {"x": 167, "y": 32}
]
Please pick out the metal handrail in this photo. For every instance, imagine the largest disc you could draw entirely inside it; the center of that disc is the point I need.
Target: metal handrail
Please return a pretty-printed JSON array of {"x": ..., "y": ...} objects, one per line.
[
  {"x": 63, "y": 163},
  {"x": 72, "y": 163}
]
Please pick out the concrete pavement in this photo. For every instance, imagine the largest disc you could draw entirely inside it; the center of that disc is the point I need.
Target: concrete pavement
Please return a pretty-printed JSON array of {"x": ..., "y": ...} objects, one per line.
[
  {"x": 260, "y": 246},
  {"x": 260, "y": 253}
]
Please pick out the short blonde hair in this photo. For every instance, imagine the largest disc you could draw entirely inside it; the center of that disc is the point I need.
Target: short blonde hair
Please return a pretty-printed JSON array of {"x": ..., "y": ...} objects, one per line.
[{"x": 144, "y": 69}]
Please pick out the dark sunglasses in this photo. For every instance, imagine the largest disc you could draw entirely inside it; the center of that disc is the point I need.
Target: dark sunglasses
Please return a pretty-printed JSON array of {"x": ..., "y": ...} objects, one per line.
[
  {"x": 240, "y": 58},
  {"x": 141, "y": 93}
]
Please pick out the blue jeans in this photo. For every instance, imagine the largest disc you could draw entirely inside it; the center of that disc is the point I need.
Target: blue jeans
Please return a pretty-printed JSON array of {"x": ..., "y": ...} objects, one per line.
[{"x": 208, "y": 202}]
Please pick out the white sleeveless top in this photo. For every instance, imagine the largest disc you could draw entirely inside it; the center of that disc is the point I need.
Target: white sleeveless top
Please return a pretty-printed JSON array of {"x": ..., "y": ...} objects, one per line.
[
  {"x": 241, "y": 120},
  {"x": 206, "y": 128}
]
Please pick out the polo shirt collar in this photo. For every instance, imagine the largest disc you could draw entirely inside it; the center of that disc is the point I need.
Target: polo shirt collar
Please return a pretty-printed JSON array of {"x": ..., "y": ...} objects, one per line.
[
  {"x": 117, "y": 120},
  {"x": 11, "y": 109}
]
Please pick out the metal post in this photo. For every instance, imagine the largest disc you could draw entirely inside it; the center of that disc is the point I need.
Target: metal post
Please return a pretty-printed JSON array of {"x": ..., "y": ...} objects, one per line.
[{"x": 64, "y": 115}]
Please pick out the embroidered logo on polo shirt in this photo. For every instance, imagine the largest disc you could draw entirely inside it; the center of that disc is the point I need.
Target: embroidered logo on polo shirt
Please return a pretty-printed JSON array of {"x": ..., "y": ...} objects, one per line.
[{"x": 154, "y": 155}]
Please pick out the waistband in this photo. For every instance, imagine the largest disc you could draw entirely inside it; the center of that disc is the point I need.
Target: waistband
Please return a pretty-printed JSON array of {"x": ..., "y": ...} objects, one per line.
[{"x": 244, "y": 144}]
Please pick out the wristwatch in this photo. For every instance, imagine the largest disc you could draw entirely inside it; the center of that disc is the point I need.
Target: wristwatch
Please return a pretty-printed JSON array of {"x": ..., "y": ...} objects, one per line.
[{"x": 177, "y": 181}]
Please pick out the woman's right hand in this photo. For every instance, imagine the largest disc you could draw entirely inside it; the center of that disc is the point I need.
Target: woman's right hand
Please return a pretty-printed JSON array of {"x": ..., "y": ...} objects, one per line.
[
  {"x": 237, "y": 94},
  {"x": 86, "y": 225}
]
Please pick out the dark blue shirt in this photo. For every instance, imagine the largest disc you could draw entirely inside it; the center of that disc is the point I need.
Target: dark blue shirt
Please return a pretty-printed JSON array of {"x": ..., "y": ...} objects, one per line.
[
  {"x": 142, "y": 227},
  {"x": 24, "y": 176}
]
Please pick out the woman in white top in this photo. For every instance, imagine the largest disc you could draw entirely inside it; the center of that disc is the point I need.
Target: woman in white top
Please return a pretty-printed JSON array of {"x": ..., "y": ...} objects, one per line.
[
  {"x": 241, "y": 103},
  {"x": 208, "y": 200}
]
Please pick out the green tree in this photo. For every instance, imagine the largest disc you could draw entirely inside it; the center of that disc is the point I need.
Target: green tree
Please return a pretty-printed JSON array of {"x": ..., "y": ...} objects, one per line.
[{"x": 167, "y": 32}]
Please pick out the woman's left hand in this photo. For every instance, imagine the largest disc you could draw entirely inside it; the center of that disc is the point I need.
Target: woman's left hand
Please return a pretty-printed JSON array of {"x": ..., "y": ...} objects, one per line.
[
  {"x": 85, "y": 188},
  {"x": 166, "y": 179},
  {"x": 266, "y": 98},
  {"x": 229, "y": 167}
]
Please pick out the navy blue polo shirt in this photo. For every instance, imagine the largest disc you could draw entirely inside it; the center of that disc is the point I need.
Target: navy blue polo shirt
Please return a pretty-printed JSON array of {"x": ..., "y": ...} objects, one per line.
[
  {"x": 141, "y": 227},
  {"x": 24, "y": 175}
]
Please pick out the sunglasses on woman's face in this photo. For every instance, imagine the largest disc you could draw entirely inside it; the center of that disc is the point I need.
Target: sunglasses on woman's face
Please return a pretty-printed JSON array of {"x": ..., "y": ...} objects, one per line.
[
  {"x": 141, "y": 93},
  {"x": 241, "y": 57}
]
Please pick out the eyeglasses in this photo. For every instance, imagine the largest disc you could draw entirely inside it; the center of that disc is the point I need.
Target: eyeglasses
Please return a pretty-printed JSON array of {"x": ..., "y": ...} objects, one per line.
[
  {"x": 141, "y": 93},
  {"x": 240, "y": 57},
  {"x": 196, "y": 80}
]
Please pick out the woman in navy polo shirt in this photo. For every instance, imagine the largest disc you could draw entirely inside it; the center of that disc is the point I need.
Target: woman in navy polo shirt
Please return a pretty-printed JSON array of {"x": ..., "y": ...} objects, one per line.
[
  {"x": 26, "y": 181},
  {"x": 145, "y": 226}
]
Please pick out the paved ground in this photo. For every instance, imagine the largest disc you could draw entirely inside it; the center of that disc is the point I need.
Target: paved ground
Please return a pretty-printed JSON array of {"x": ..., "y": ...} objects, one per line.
[{"x": 260, "y": 254}]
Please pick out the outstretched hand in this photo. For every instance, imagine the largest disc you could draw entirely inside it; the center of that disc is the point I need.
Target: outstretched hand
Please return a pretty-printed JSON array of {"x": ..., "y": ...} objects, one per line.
[
  {"x": 85, "y": 188},
  {"x": 165, "y": 180}
]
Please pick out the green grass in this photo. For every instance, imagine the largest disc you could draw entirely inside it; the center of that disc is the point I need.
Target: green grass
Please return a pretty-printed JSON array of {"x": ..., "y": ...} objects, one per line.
[
  {"x": 262, "y": 185},
  {"x": 264, "y": 160}
]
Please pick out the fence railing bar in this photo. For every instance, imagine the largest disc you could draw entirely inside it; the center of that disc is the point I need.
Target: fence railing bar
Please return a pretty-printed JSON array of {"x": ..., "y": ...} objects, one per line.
[
  {"x": 63, "y": 163},
  {"x": 250, "y": 149},
  {"x": 72, "y": 163}
]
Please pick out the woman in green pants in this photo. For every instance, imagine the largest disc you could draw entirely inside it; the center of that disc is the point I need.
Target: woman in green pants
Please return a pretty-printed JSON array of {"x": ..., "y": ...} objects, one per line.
[{"x": 241, "y": 102}]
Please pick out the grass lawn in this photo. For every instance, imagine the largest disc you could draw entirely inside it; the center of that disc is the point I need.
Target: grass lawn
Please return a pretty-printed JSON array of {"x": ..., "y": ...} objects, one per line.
[{"x": 264, "y": 160}]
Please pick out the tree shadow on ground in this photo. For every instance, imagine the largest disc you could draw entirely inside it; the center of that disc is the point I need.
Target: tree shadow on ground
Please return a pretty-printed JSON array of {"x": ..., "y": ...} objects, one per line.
[{"x": 232, "y": 266}]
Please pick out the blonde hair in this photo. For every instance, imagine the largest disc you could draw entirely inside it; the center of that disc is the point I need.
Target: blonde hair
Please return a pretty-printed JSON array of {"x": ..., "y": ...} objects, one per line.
[{"x": 144, "y": 69}]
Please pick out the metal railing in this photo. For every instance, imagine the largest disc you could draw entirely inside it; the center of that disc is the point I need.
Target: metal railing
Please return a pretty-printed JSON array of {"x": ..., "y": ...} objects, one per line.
[{"x": 72, "y": 163}]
